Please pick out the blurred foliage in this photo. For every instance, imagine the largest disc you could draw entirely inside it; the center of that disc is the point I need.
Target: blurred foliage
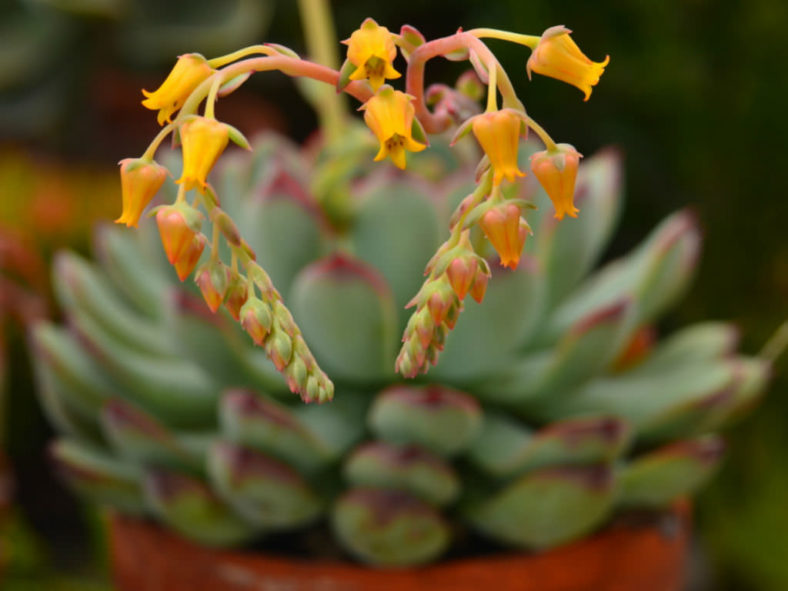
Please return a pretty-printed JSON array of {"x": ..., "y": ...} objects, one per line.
[{"x": 693, "y": 96}]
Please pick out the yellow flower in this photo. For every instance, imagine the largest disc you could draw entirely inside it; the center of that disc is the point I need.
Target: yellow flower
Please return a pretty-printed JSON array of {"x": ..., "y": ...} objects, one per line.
[
  {"x": 558, "y": 56},
  {"x": 189, "y": 71},
  {"x": 557, "y": 172},
  {"x": 371, "y": 49},
  {"x": 203, "y": 142},
  {"x": 389, "y": 114},
  {"x": 498, "y": 133},
  {"x": 140, "y": 180}
]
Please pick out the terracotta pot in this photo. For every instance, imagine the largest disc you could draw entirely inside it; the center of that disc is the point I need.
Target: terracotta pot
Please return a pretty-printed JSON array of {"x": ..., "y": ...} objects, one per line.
[{"x": 627, "y": 556}]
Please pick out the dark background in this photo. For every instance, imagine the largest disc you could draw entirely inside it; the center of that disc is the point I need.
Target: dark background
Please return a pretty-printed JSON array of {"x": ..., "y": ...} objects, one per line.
[{"x": 694, "y": 97}]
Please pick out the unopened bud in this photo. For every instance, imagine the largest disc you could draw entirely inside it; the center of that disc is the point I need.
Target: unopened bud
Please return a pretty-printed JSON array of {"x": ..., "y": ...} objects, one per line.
[
  {"x": 424, "y": 326},
  {"x": 189, "y": 257},
  {"x": 479, "y": 287},
  {"x": 211, "y": 278},
  {"x": 226, "y": 226},
  {"x": 312, "y": 388},
  {"x": 279, "y": 347},
  {"x": 237, "y": 291},
  {"x": 296, "y": 375},
  {"x": 177, "y": 226},
  {"x": 256, "y": 319},
  {"x": 461, "y": 272}
]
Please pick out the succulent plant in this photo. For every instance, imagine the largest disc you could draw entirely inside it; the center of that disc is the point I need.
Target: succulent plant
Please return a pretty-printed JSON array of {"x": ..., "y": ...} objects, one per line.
[{"x": 552, "y": 408}]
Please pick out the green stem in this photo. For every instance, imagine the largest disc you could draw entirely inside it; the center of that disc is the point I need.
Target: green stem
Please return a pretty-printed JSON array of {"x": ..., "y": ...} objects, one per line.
[
  {"x": 492, "y": 88},
  {"x": 322, "y": 47},
  {"x": 528, "y": 40},
  {"x": 543, "y": 135},
  {"x": 154, "y": 145},
  {"x": 210, "y": 102},
  {"x": 218, "y": 62},
  {"x": 478, "y": 195},
  {"x": 776, "y": 345}
]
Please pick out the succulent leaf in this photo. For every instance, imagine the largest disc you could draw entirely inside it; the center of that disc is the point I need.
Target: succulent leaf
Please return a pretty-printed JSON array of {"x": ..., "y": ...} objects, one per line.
[
  {"x": 547, "y": 507},
  {"x": 339, "y": 295},
  {"x": 265, "y": 491},
  {"x": 187, "y": 505},
  {"x": 389, "y": 528},
  {"x": 506, "y": 448},
  {"x": 441, "y": 420},
  {"x": 661, "y": 476},
  {"x": 408, "y": 468},
  {"x": 262, "y": 424},
  {"x": 396, "y": 230},
  {"x": 99, "y": 477}
]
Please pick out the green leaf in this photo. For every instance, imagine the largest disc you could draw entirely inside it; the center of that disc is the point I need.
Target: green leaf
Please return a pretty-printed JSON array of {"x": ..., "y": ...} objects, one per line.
[
  {"x": 547, "y": 507},
  {"x": 396, "y": 230},
  {"x": 98, "y": 477},
  {"x": 506, "y": 448},
  {"x": 262, "y": 424},
  {"x": 265, "y": 491},
  {"x": 657, "y": 478},
  {"x": 441, "y": 420},
  {"x": 389, "y": 528},
  {"x": 407, "y": 468},
  {"x": 487, "y": 335},
  {"x": 346, "y": 312},
  {"x": 189, "y": 507}
]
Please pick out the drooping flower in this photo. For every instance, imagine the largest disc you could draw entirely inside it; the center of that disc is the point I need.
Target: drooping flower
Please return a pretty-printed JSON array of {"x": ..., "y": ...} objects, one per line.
[
  {"x": 177, "y": 231},
  {"x": 389, "y": 114},
  {"x": 371, "y": 49},
  {"x": 558, "y": 56},
  {"x": 499, "y": 133},
  {"x": 189, "y": 256},
  {"x": 507, "y": 231},
  {"x": 211, "y": 278},
  {"x": 140, "y": 180},
  {"x": 203, "y": 139},
  {"x": 557, "y": 173},
  {"x": 189, "y": 71}
]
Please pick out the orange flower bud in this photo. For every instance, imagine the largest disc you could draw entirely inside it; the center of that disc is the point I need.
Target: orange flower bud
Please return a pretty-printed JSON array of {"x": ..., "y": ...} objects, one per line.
[
  {"x": 211, "y": 278},
  {"x": 189, "y": 71},
  {"x": 461, "y": 272},
  {"x": 256, "y": 319},
  {"x": 499, "y": 133},
  {"x": 371, "y": 49},
  {"x": 503, "y": 229},
  {"x": 557, "y": 172},
  {"x": 237, "y": 291},
  {"x": 178, "y": 225},
  {"x": 203, "y": 142},
  {"x": 189, "y": 256},
  {"x": 389, "y": 114},
  {"x": 479, "y": 287},
  {"x": 558, "y": 56},
  {"x": 140, "y": 180}
]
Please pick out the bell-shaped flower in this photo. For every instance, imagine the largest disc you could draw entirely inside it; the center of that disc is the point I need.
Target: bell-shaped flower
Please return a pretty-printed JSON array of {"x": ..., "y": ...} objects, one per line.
[
  {"x": 389, "y": 114},
  {"x": 189, "y": 71},
  {"x": 140, "y": 180},
  {"x": 371, "y": 49},
  {"x": 499, "y": 134},
  {"x": 189, "y": 256},
  {"x": 203, "y": 140},
  {"x": 558, "y": 56},
  {"x": 178, "y": 225},
  {"x": 507, "y": 231},
  {"x": 557, "y": 172}
]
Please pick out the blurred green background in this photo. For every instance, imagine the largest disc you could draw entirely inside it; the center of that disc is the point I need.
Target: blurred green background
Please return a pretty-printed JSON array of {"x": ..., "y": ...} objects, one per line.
[{"x": 693, "y": 97}]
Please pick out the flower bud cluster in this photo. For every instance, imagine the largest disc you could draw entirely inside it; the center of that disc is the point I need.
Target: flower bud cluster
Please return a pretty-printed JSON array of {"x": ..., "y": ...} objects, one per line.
[
  {"x": 454, "y": 272},
  {"x": 268, "y": 321}
]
